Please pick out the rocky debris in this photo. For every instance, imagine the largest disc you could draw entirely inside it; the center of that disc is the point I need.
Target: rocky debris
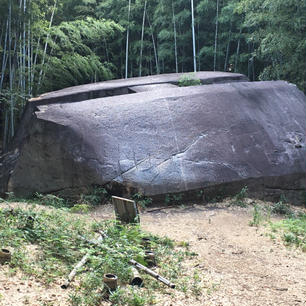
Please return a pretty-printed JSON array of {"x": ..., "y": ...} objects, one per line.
[{"x": 165, "y": 141}]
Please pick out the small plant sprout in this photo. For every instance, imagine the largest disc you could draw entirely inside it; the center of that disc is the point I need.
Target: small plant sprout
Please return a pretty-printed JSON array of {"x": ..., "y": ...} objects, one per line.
[{"x": 257, "y": 217}]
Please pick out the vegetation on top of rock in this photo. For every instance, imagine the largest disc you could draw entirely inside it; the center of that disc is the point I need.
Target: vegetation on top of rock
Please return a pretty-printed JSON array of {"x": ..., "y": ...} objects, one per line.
[{"x": 188, "y": 80}]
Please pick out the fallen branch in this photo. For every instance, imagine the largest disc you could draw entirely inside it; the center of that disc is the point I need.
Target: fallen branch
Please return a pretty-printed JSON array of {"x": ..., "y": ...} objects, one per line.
[{"x": 160, "y": 208}]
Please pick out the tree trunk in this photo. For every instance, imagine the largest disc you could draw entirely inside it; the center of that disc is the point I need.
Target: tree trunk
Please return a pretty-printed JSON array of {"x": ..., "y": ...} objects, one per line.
[
  {"x": 193, "y": 38},
  {"x": 127, "y": 42},
  {"x": 216, "y": 36},
  {"x": 154, "y": 47},
  {"x": 46, "y": 45},
  {"x": 227, "y": 48},
  {"x": 174, "y": 33},
  {"x": 11, "y": 73},
  {"x": 238, "y": 49},
  {"x": 142, "y": 33},
  {"x": 5, "y": 55}
]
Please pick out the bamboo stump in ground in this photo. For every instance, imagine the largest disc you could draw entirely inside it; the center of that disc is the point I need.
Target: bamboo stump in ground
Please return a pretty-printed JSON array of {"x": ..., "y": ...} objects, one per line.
[{"x": 126, "y": 210}]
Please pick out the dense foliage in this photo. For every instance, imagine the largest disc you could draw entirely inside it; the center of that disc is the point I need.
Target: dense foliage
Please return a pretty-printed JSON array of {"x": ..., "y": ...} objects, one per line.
[{"x": 49, "y": 44}]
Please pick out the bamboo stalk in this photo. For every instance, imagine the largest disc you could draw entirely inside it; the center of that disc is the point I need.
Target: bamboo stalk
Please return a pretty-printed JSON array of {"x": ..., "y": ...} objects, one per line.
[
  {"x": 227, "y": 48},
  {"x": 154, "y": 47},
  {"x": 46, "y": 45},
  {"x": 174, "y": 33},
  {"x": 142, "y": 33},
  {"x": 136, "y": 279},
  {"x": 127, "y": 42},
  {"x": 193, "y": 38},
  {"x": 216, "y": 36},
  {"x": 5, "y": 56},
  {"x": 238, "y": 49}
]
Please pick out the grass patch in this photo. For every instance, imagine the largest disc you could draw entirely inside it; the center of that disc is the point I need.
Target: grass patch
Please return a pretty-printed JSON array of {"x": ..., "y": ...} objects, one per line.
[
  {"x": 189, "y": 80},
  {"x": 293, "y": 230},
  {"x": 95, "y": 195},
  {"x": 48, "y": 243}
]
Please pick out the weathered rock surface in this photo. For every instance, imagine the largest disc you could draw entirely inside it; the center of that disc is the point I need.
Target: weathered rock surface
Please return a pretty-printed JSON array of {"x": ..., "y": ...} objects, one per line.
[
  {"x": 125, "y": 86},
  {"x": 166, "y": 140}
]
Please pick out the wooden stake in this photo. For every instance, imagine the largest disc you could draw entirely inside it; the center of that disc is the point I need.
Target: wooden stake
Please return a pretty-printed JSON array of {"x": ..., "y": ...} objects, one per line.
[{"x": 126, "y": 210}]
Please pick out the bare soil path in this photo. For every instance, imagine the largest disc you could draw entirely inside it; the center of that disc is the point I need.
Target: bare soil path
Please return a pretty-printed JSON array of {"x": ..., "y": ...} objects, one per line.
[
  {"x": 240, "y": 265},
  {"x": 246, "y": 266}
]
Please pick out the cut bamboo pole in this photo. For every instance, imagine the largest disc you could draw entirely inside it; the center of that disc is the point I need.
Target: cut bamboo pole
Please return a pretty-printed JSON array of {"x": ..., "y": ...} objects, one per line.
[
  {"x": 79, "y": 265},
  {"x": 136, "y": 279},
  {"x": 152, "y": 273},
  {"x": 73, "y": 273}
]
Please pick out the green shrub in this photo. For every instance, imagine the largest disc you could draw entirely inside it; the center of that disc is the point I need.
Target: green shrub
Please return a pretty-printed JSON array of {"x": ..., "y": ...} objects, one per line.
[
  {"x": 142, "y": 200},
  {"x": 96, "y": 195},
  {"x": 240, "y": 197},
  {"x": 281, "y": 208},
  {"x": 51, "y": 200},
  {"x": 189, "y": 80},
  {"x": 173, "y": 199},
  {"x": 293, "y": 230}
]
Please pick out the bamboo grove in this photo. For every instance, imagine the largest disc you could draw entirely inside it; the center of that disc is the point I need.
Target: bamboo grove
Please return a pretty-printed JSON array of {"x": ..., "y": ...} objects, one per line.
[{"x": 46, "y": 45}]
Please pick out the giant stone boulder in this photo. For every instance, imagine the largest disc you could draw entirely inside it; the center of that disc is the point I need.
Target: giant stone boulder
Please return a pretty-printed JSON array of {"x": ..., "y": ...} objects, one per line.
[{"x": 149, "y": 135}]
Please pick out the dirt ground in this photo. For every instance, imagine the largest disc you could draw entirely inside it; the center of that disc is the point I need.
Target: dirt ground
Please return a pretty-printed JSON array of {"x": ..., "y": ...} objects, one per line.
[{"x": 239, "y": 265}]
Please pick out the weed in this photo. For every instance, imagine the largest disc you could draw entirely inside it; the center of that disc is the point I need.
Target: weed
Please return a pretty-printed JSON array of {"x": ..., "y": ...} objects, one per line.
[
  {"x": 214, "y": 287},
  {"x": 117, "y": 297},
  {"x": 10, "y": 197},
  {"x": 257, "y": 217},
  {"x": 75, "y": 299},
  {"x": 183, "y": 244},
  {"x": 96, "y": 195},
  {"x": 142, "y": 200},
  {"x": 50, "y": 200},
  {"x": 196, "y": 287},
  {"x": 173, "y": 199},
  {"x": 189, "y": 80},
  {"x": 131, "y": 297},
  {"x": 200, "y": 194},
  {"x": 281, "y": 208},
  {"x": 240, "y": 197},
  {"x": 80, "y": 208}
]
